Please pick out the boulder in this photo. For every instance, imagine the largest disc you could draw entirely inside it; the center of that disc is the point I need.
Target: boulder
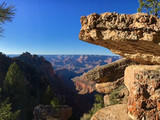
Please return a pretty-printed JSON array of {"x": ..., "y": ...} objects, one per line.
[
  {"x": 106, "y": 99},
  {"x": 47, "y": 112},
  {"x": 115, "y": 112},
  {"x": 109, "y": 72},
  {"x": 143, "y": 83},
  {"x": 135, "y": 36}
]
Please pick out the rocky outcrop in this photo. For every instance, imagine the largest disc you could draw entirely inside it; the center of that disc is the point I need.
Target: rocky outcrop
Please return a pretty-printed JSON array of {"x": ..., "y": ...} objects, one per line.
[
  {"x": 112, "y": 74},
  {"x": 143, "y": 83},
  {"x": 115, "y": 112},
  {"x": 47, "y": 112},
  {"x": 109, "y": 72},
  {"x": 109, "y": 86},
  {"x": 135, "y": 36},
  {"x": 83, "y": 85},
  {"x": 39, "y": 63}
]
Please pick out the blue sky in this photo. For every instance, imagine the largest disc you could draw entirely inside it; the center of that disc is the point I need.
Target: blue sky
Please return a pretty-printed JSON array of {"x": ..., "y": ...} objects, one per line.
[{"x": 52, "y": 26}]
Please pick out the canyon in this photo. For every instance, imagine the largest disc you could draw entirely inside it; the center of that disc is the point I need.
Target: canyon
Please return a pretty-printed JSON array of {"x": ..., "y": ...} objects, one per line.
[
  {"x": 72, "y": 68},
  {"x": 67, "y": 76}
]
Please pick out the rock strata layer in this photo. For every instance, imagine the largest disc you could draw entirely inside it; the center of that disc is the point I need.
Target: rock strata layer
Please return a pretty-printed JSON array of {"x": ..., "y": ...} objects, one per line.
[
  {"x": 109, "y": 72},
  {"x": 143, "y": 83},
  {"x": 135, "y": 36},
  {"x": 83, "y": 85},
  {"x": 109, "y": 86}
]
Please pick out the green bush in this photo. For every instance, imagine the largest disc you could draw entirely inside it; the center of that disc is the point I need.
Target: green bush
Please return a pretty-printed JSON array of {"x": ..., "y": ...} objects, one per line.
[
  {"x": 99, "y": 103},
  {"x": 55, "y": 102},
  {"x": 114, "y": 95}
]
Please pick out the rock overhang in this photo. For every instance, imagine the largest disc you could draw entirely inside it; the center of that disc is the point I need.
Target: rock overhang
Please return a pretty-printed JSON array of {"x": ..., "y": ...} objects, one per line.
[{"x": 135, "y": 36}]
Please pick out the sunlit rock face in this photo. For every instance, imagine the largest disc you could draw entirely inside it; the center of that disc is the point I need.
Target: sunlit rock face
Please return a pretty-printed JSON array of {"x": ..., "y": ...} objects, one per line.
[
  {"x": 108, "y": 87},
  {"x": 143, "y": 83},
  {"x": 110, "y": 72},
  {"x": 115, "y": 112},
  {"x": 135, "y": 36}
]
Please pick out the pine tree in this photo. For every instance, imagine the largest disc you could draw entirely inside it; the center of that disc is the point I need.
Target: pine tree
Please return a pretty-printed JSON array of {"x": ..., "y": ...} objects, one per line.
[
  {"x": 47, "y": 96},
  {"x": 6, "y": 14},
  {"x": 6, "y": 111},
  {"x": 14, "y": 88},
  {"x": 14, "y": 80},
  {"x": 149, "y": 6}
]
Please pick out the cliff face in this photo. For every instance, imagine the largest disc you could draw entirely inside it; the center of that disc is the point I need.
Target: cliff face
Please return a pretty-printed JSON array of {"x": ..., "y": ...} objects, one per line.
[
  {"x": 39, "y": 63},
  {"x": 135, "y": 36},
  {"x": 143, "y": 83},
  {"x": 109, "y": 72},
  {"x": 83, "y": 85}
]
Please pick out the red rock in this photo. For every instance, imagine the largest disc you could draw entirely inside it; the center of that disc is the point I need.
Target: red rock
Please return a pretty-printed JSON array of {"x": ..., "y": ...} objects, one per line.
[
  {"x": 83, "y": 85},
  {"x": 143, "y": 83}
]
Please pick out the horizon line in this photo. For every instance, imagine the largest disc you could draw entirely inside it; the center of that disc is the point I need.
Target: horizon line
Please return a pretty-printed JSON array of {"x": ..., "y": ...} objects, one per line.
[{"x": 67, "y": 54}]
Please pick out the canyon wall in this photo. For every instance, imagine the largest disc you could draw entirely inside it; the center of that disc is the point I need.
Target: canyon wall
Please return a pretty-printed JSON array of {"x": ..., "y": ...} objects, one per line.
[{"x": 135, "y": 37}]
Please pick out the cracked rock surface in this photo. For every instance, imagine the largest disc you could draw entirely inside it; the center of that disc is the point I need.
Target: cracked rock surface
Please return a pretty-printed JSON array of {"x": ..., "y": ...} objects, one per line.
[
  {"x": 143, "y": 83},
  {"x": 135, "y": 36}
]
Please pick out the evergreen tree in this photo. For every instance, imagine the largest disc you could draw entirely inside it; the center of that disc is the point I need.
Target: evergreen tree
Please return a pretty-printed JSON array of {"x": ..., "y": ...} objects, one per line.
[
  {"x": 6, "y": 14},
  {"x": 149, "y": 6},
  {"x": 6, "y": 111},
  {"x": 14, "y": 87},
  {"x": 47, "y": 96},
  {"x": 14, "y": 80}
]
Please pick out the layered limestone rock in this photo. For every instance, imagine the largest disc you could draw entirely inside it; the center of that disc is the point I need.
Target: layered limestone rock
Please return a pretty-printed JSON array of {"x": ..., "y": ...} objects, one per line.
[
  {"x": 109, "y": 72},
  {"x": 109, "y": 86},
  {"x": 135, "y": 36},
  {"x": 143, "y": 83},
  {"x": 47, "y": 112},
  {"x": 115, "y": 112}
]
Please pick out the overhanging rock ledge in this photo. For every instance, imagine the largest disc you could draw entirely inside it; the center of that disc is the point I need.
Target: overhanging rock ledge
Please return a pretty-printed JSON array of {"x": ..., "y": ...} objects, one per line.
[{"x": 135, "y": 36}]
